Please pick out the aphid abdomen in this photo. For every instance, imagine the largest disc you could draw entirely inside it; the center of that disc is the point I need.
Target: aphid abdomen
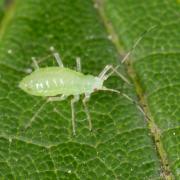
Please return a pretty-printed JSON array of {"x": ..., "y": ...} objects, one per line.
[{"x": 53, "y": 81}]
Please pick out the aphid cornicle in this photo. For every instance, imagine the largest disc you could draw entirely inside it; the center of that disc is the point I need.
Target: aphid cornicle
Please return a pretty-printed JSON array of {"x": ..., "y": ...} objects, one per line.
[{"x": 54, "y": 81}]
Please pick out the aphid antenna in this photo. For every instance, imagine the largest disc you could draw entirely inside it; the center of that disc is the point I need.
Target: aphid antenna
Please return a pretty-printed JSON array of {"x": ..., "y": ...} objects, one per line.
[
  {"x": 127, "y": 97},
  {"x": 116, "y": 91},
  {"x": 137, "y": 42},
  {"x": 104, "y": 76}
]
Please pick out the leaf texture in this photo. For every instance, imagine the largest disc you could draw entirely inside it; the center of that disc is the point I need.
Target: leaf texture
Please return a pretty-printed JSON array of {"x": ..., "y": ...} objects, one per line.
[
  {"x": 122, "y": 144},
  {"x": 154, "y": 67}
]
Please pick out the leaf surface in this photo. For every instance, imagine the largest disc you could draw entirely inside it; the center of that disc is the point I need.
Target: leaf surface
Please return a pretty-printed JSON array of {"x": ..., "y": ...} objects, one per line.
[
  {"x": 154, "y": 67},
  {"x": 121, "y": 145}
]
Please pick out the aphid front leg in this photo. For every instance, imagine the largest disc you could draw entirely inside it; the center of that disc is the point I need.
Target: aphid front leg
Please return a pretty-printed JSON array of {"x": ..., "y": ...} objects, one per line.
[
  {"x": 74, "y": 100},
  {"x": 78, "y": 64},
  {"x": 85, "y": 100}
]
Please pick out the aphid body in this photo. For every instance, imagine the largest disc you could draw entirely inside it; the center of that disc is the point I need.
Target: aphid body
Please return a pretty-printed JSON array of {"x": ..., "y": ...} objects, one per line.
[{"x": 53, "y": 81}]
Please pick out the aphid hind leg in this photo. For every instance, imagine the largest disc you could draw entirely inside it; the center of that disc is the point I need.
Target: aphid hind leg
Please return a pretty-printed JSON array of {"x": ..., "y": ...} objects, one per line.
[
  {"x": 85, "y": 100},
  {"x": 73, "y": 101},
  {"x": 78, "y": 64},
  {"x": 103, "y": 75},
  {"x": 50, "y": 99}
]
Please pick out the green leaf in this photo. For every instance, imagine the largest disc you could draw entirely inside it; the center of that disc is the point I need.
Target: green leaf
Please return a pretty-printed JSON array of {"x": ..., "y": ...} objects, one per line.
[
  {"x": 123, "y": 143},
  {"x": 2, "y": 8},
  {"x": 154, "y": 67}
]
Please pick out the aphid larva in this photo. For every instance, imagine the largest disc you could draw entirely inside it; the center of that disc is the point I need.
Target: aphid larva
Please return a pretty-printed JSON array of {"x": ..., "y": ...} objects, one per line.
[{"x": 54, "y": 81}]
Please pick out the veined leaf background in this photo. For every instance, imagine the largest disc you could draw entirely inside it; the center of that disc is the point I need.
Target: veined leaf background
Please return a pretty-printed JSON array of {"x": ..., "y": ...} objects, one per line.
[{"x": 125, "y": 143}]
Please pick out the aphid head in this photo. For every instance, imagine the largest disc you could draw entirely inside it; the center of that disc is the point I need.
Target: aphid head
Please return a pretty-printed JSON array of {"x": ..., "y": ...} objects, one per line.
[{"x": 98, "y": 84}]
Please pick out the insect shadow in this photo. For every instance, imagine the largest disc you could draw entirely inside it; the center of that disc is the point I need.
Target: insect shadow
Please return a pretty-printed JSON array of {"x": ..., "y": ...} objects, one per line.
[{"x": 57, "y": 83}]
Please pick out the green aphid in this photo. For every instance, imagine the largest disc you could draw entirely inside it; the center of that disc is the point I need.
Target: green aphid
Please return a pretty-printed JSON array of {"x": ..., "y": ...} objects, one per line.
[{"x": 54, "y": 81}]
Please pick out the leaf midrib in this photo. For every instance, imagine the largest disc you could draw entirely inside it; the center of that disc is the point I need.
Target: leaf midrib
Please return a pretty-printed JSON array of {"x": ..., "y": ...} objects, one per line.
[{"x": 8, "y": 16}]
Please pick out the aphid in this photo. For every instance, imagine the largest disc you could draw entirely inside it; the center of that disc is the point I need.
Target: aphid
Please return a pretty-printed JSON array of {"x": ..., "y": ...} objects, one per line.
[{"x": 54, "y": 81}]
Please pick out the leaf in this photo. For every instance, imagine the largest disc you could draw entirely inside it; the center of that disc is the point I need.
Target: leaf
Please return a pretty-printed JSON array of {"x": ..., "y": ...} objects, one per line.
[
  {"x": 154, "y": 67},
  {"x": 121, "y": 145}
]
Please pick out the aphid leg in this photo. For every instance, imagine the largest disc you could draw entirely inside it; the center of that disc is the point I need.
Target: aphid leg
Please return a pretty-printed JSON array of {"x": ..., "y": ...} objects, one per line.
[
  {"x": 103, "y": 75},
  {"x": 33, "y": 118},
  {"x": 56, "y": 98},
  {"x": 56, "y": 56},
  {"x": 58, "y": 59},
  {"x": 42, "y": 59},
  {"x": 85, "y": 100},
  {"x": 74, "y": 100},
  {"x": 78, "y": 64},
  {"x": 35, "y": 64}
]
